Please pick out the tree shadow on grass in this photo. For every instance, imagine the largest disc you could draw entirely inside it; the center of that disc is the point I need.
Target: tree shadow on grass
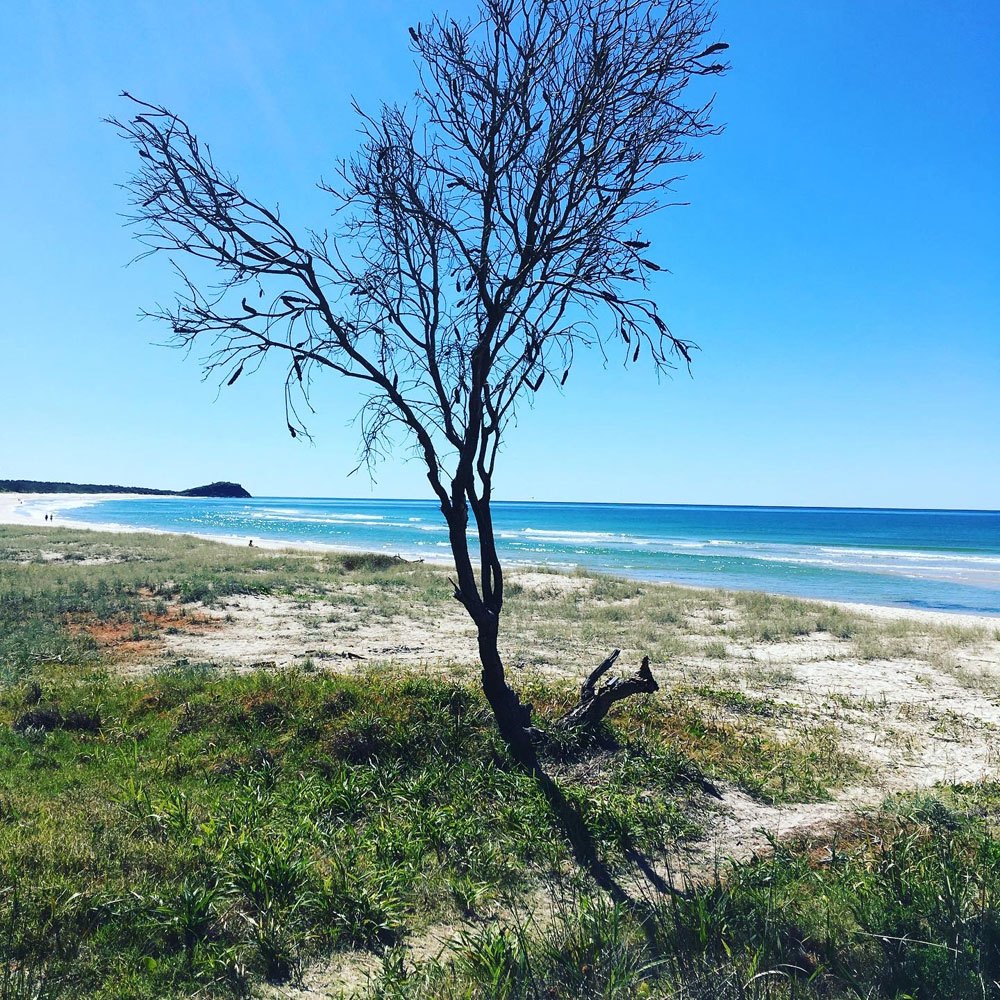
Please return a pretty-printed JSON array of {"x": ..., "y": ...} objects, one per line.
[{"x": 585, "y": 853}]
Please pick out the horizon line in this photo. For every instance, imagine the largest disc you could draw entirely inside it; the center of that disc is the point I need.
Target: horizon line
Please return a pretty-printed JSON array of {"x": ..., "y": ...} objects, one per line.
[{"x": 648, "y": 503}]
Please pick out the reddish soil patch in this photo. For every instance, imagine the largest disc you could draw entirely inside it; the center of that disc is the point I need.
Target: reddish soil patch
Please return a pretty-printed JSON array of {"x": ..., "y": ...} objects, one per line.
[{"x": 124, "y": 635}]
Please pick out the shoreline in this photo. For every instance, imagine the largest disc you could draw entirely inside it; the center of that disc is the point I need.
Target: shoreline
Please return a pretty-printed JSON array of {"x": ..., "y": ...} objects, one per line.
[
  {"x": 34, "y": 516},
  {"x": 28, "y": 509}
]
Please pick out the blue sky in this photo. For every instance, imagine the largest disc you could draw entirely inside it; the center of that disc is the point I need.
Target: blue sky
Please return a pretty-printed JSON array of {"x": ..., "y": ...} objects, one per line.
[{"x": 838, "y": 264}]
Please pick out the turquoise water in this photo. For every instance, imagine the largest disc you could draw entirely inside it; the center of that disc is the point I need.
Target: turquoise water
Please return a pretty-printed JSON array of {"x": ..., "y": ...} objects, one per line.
[{"x": 947, "y": 560}]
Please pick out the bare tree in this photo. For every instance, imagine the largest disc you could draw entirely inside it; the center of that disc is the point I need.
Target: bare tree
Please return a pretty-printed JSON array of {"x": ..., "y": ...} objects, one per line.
[{"x": 480, "y": 240}]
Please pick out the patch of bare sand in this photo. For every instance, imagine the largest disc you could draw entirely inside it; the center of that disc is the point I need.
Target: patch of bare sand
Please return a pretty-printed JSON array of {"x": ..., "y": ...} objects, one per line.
[
  {"x": 282, "y": 632},
  {"x": 350, "y": 974},
  {"x": 553, "y": 583},
  {"x": 346, "y": 975},
  {"x": 913, "y": 724}
]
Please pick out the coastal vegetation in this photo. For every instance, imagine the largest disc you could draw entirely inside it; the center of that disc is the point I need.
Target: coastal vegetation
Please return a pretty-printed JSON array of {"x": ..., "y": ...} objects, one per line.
[{"x": 172, "y": 827}]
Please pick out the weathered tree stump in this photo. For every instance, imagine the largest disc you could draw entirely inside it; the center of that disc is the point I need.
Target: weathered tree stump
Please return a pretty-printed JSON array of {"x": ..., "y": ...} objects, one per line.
[{"x": 595, "y": 702}]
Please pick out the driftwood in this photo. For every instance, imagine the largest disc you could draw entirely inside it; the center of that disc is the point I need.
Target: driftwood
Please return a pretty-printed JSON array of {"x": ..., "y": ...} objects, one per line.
[{"x": 595, "y": 702}]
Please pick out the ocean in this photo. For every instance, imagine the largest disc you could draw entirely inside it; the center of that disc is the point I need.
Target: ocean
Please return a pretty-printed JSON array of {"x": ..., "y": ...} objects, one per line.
[{"x": 932, "y": 559}]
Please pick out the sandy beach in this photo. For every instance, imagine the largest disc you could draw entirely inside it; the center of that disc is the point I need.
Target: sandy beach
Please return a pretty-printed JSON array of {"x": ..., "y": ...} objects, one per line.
[
  {"x": 31, "y": 508},
  {"x": 879, "y": 700},
  {"x": 914, "y": 694}
]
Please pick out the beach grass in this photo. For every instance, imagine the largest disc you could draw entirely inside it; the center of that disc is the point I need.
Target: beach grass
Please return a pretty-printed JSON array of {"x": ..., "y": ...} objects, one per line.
[
  {"x": 190, "y": 829},
  {"x": 901, "y": 903}
]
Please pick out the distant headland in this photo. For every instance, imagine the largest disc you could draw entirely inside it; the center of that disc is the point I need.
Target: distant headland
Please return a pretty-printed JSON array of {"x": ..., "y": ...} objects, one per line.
[{"x": 231, "y": 490}]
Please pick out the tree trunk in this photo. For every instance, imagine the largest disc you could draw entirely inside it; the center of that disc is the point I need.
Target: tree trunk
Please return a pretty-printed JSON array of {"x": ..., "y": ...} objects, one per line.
[
  {"x": 513, "y": 719},
  {"x": 484, "y": 604}
]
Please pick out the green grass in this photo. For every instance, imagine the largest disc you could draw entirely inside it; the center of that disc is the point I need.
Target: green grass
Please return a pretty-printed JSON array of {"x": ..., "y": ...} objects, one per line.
[
  {"x": 767, "y": 618},
  {"x": 901, "y": 905},
  {"x": 196, "y": 832},
  {"x": 215, "y": 828}
]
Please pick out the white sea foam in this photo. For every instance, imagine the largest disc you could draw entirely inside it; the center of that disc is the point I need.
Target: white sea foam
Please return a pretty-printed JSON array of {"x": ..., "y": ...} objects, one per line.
[
  {"x": 916, "y": 564},
  {"x": 543, "y": 536},
  {"x": 309, "y": 518}
]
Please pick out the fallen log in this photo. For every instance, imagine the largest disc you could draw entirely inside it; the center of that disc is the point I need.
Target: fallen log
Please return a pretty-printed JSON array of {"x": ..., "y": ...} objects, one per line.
[{"x": 595, "y": 702}]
